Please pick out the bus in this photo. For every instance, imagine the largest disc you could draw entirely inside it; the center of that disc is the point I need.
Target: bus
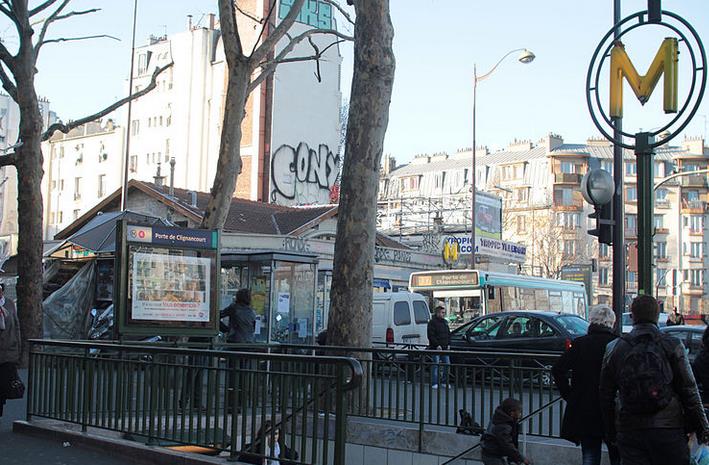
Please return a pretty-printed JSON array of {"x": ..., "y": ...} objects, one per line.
[{"x": 466, "y": 294}]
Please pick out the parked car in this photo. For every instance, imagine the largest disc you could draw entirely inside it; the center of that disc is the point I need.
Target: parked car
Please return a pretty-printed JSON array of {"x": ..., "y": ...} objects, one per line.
[
  {"x": 691, "y": 337},
  {"x": 628, "y": 322},
  {"x": 527, "y": 330},
  {"x": 400, "y": 318}
]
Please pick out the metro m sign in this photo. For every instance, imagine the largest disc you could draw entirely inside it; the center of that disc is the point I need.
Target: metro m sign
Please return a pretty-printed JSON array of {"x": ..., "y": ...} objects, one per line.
[{"x": 665, "y": 61}]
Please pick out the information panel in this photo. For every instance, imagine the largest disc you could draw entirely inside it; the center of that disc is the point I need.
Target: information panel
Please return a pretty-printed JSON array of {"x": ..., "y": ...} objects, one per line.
[{"x": 168, "y": 280}]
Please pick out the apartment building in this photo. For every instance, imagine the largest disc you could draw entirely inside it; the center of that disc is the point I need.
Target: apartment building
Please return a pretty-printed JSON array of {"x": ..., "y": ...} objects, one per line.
[{"x": 544, "y": 210}]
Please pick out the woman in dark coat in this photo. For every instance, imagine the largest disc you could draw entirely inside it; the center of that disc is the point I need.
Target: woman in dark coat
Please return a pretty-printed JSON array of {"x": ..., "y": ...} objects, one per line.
[
  {"x": 700, "y": 367},
  {"x": 577, "y": 374}
]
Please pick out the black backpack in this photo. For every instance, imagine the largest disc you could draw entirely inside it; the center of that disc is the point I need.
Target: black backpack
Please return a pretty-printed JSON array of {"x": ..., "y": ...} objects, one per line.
[{"x": 645, "y": 378}]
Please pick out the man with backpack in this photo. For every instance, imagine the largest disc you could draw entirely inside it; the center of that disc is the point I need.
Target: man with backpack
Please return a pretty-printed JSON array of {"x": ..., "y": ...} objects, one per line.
[{"x": 658, "y": 401}]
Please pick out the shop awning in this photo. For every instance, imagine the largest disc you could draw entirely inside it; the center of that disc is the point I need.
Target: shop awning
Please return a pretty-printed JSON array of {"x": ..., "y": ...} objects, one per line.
[{"x": 99, "y": 234}]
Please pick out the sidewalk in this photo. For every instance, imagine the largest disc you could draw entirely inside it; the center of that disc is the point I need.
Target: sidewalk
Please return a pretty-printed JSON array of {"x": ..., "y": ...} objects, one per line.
[{"x": 20, "y": 449}]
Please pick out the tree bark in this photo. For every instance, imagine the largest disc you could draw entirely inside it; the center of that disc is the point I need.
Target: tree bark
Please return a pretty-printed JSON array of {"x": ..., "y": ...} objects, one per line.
[
  {"x": 350, "y": 317},
  {"x": 229, "y": 162}
]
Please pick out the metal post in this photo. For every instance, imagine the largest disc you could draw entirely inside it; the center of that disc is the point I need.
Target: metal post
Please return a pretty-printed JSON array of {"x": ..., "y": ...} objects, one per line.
[
  {"x": 645, "y": 177},
  {"x": 473, "y": 183},
  {"x": 618, "y": 209},
  {"x": 126, "y": 157}
]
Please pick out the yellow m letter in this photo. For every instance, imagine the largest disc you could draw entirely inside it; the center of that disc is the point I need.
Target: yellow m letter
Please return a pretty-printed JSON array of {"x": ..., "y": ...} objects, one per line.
[{"x": 665, "y": 61}]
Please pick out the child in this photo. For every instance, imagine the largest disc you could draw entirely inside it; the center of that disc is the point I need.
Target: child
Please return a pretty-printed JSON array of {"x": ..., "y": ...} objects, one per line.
[{"x": 499, "y": 441}]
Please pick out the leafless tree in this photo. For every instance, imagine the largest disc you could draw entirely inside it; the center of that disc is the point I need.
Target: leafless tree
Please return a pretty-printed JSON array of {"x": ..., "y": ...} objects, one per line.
[
  {"x": 547, "y": 245},
  {"x": 350, "y": 318},
  {"x": 17, "y": 73},
  {"x": 246, "y": 70}
]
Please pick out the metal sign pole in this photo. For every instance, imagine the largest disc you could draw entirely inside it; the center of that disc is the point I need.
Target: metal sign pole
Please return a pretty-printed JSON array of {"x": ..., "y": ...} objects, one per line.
[
  {"x": 644, "y": 154},
  {"x": 618, "y": 208}
]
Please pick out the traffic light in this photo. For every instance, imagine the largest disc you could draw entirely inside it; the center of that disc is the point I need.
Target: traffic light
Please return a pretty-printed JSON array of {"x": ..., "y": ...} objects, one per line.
[{"x": 603, "y": 215}]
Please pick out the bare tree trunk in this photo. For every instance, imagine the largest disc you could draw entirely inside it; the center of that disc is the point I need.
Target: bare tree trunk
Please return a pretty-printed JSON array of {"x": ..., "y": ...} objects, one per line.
[
  {"x": 350, "y": 318},
  {"x": 229, "y": 163}
]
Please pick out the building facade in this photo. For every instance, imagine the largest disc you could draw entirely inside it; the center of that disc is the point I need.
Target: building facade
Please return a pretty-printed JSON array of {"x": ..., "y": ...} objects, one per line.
[
  {"x": 544, "y": 210},
  {"x": 290, "y": 134}
]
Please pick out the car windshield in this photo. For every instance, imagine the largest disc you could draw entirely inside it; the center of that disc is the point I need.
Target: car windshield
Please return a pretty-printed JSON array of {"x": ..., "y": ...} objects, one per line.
[{"x": 575, "y": 325}]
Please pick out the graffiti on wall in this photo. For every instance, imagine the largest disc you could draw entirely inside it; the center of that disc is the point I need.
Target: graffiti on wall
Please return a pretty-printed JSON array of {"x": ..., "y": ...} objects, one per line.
[{"x": 303, "y": 175}]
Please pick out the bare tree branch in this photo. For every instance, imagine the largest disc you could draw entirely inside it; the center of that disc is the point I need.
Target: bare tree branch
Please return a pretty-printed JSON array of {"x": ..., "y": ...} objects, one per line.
[
  {"x": 9, "y": 159},
  {"x": 247, "y": 14},
  {"x": 6, "y": 11},
  {"x": 7, "y": 58},
  {"x": 341, "y": 10},
  {"x": 76, "y": 13},
  {"x": 65, "y": 128},
  {"x": 269, "y": 43},
  {"x": 70, "y": 39},
  {"x": 45, "y": 26},
  {"x": 266, "y": 23},
  {"x": 7, "y": 84},
  {"x": 270, "y": 66},
  {"x": 41, "y": 7}
]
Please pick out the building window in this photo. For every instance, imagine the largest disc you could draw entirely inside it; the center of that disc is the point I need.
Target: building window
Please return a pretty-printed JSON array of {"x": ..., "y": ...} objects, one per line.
[
  {"x": 568, "y": 167},
  {"x": 466, "y": 181},
  {"x": 660, "y": 249},
  {"x": 522, "y": 194},
  {"x": 142, "y": 63},
  {"x": 160, "y": 120},
  {"x": 568, "y": 220},
  {"x": 54, "y": 185},
  {"x": 692, "y": 196},
  {"x": 77, "y": 188},
  {"x": 695, "y": 249},
  {"x": 607, "y": 165},
  {"x": 694, "y": 222},
  {"x": 603, "y": 275},
  {"x": 695, "y": 277},
  {"x": 135, "y": 127},
  {"x": 631, "y": 223},
  {"x": 521, "y": 224},
  {"x": 564, "y": 197},
  {"x": 51, "y": 218},
  {"x": 76, "y": 214},
  {"x": 60, "y": 217},
  {"x": 101, "y": 185},
  {"x": 659, "y": 169},
  {"x": 631, "y": 194},
  {"x": 659, "y": 221},
  {"x": 631, "y": 169},
  {"x": 603, "y": 250},
  {"x": 632, "y": 277},
  {"x": 61, "y": 152},
  {"x": 661, "y": 194},
  {"x": 569, "y": 247},
  {"x": 61, "y": 185},
  {"x": 133, "y": 165}
]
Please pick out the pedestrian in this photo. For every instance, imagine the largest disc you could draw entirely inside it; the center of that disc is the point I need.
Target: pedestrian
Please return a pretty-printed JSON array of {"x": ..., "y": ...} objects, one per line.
[
  {"x": 577, "y": 374},
  {"x": 242, "y": 328},
  {"x": 242, "y": 318},
  {"x": 658, "y": 402},
  {"x": 500, "y": 441},
  {"x": 9, "y": 348},
  {"x": 439, "y": 338},
  {"x": 675, "y": 318},
  {"x": 275, "y": 451},
  {"x": 700, "y": 368}
]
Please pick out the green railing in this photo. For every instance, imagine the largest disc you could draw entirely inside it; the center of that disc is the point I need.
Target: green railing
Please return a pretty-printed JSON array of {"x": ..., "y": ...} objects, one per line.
[
  {"x": 216, "y": 399},
  {"x": 399, "y": 385}
]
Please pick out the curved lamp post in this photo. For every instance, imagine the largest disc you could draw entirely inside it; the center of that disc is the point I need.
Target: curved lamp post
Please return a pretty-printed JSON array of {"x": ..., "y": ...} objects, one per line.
[{"x": 524, "y": 57}]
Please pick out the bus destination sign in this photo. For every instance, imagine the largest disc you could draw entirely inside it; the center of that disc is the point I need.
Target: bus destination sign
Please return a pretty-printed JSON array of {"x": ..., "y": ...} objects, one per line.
[{"x": 453, "y": 278}]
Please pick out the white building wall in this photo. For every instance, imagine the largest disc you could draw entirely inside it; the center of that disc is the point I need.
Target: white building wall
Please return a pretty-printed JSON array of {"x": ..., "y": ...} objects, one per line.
[
  {"x": 92, "y": 153},
  {"x": 306, "y": 120}
]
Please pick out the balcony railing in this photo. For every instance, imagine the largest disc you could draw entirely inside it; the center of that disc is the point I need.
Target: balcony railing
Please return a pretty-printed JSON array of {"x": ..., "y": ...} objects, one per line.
[
  {"x": 567, "y": 178},
  {"x": 698, "y": 206},
  {"x": 694, "y": 180}
]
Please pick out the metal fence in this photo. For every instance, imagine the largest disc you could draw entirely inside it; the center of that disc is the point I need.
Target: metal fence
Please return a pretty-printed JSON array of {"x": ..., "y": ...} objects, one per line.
[
  {"x": 399, "y": 385},
  {"x": 221, "y": 400}
]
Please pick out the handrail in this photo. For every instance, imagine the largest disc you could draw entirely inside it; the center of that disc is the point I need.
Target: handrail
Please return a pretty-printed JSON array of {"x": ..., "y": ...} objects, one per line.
[
  {"x": 347, "y": 349},
  {"x": 354, "y": 365},
  {"x": 521, "y": 420}
]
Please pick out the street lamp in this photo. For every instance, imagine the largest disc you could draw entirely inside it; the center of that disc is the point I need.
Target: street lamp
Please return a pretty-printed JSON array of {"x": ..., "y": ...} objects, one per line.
[{"x": 524, "y": 57}]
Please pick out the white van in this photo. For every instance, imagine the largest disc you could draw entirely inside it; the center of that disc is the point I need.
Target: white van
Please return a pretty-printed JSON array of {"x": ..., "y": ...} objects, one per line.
[{"x": 400, "y": 318}]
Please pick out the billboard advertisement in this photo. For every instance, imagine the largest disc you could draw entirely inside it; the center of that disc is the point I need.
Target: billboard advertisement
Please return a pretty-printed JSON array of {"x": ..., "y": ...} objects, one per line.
[{"x": 488, "y": 216}]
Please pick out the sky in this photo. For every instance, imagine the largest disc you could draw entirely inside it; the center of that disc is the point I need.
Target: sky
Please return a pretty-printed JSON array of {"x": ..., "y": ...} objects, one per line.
[{"x": 436, "y": 44}]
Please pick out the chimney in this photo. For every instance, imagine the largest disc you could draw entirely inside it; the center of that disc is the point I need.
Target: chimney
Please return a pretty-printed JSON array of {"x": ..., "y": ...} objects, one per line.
[
  {"x": 193, "y": 198},
  {"x": 172, "y": 177},
  {"x": 189, "y": 22},
  {"x": 157, "y": 178},
  {"x": 211, "y": 21}
]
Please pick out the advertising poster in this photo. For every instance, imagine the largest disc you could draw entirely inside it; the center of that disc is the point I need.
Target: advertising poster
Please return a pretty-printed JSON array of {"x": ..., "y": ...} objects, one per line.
[
  {"x": 170, "y": 288},
  {"x": 488, "y": 216}
]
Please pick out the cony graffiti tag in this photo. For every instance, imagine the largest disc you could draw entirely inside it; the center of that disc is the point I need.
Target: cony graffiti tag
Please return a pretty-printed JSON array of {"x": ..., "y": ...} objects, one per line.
[{"x": 303, "y": 175}]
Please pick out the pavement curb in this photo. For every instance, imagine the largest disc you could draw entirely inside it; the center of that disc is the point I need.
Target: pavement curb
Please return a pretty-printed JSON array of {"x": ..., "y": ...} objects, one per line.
[{"x": 129, "y": 451}]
